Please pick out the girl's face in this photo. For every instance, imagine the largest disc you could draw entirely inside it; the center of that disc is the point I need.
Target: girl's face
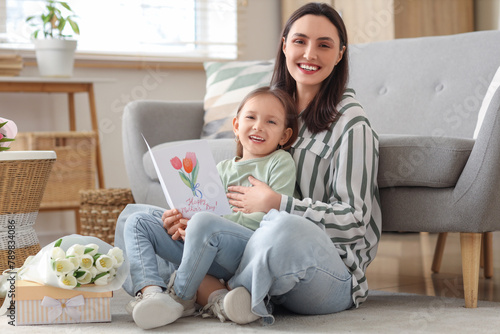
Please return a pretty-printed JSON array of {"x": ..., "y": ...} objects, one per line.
[
  {"x": 312, "y": 49},
  {"x": 261, "y": 126}
]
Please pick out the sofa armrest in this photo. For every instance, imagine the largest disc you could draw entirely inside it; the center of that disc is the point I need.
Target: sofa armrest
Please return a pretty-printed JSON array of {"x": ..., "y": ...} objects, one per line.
[
  {"x": 160, "y": 122},
  {"x": 477, "y": 191}
]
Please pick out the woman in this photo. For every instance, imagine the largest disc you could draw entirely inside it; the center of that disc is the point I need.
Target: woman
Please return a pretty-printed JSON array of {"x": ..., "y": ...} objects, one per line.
[{"x": 311, "y": 270}]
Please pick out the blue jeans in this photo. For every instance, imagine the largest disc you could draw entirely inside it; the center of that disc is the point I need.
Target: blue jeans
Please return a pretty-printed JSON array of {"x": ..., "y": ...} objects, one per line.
[
  {"x": 288, "y": 258},
  {"x": 292, "y": 260},
  {"x": 213, "y": 245}
]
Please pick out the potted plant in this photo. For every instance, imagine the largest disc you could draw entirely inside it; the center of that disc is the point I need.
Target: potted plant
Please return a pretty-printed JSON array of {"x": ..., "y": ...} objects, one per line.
[{"x": 55, "y": 52}]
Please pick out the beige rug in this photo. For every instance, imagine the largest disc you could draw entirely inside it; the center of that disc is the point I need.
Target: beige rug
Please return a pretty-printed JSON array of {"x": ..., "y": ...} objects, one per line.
[{"x": 383, "y": 313}]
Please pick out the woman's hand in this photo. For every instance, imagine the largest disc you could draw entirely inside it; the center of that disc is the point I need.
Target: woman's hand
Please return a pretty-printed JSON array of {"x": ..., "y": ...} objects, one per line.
[
  {"x": 172, "y": 222},
  {"x": 259, "y": 198}
]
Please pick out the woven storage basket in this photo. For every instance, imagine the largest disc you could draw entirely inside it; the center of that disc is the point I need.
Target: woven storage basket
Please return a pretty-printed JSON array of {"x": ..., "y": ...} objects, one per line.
[
  {"x": 99, "y": 210},
  {"x": 75, "y": 168},
  {"x": 23, "y": 178},
  {"x": 26, "y": 244}
]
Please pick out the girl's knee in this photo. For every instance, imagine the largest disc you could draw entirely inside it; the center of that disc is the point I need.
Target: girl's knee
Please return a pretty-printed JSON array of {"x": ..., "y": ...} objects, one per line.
[
  {"x": 132, "y": 211},
  {"x": 139, "y": 221},
  {"x": 201, "y": 222}
]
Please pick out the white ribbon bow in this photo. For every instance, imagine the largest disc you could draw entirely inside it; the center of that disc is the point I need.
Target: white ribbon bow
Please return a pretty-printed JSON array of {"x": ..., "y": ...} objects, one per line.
[{"x": 56, "y": 308}]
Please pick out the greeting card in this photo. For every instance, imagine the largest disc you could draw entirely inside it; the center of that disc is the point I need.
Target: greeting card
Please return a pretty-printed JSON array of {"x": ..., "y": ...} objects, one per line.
[{"x": 189, "y": 178}]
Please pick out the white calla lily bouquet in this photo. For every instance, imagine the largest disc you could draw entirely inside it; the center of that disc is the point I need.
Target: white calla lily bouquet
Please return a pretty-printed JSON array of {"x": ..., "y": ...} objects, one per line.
[{"x": 78, "y": 262}]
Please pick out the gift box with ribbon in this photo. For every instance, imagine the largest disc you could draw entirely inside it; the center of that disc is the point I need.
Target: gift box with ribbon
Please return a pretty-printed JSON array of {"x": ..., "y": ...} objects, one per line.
[{"x": 42, "y": 304}]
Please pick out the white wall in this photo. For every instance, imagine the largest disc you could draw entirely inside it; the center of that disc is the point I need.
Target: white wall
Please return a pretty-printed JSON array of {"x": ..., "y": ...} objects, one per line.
[{"x": 48, "y": 112}]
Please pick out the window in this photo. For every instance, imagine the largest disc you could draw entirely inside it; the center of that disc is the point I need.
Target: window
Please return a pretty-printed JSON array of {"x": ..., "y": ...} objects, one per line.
[{"x": 126, "y": 29}]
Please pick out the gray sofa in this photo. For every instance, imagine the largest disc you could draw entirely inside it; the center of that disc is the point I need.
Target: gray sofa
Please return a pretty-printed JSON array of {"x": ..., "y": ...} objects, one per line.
[{"x": 422, "y": 96}]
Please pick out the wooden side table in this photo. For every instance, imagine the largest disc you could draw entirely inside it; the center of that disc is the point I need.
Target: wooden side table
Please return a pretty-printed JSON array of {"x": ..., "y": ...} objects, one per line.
[{"x": 68, "y": 86}]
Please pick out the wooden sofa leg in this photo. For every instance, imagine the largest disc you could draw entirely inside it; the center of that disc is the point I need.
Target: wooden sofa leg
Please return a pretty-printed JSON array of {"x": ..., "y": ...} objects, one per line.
[
  {"x": 438, "y": 252},
  {"x": 488, "y": 254},
  {"x": 470, "y": 244}
]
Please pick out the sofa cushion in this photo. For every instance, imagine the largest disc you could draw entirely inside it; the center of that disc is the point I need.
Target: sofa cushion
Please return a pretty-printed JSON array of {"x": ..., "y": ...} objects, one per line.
[
  {"x": 227, "y": 84},
  {"x": 221, "y": 149},
  {"x": 422, "y": 160}
]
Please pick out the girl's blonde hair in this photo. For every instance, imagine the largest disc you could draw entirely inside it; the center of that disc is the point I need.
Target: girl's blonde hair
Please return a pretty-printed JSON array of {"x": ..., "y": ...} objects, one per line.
[{"x": 290, "y": 113}]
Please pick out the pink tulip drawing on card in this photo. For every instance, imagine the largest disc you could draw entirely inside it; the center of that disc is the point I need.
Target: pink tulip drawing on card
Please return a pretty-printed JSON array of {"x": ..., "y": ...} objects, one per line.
[
  {"x": 8, "y": 131},
  {"x": 188, "y": 171}
]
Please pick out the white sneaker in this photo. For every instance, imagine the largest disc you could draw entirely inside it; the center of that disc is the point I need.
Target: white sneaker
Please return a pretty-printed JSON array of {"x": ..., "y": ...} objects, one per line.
[
  {"x": 156, "y": 309},
  {"x": 235, "y": 305},
  {"x": 188, "y": 305},
  {"x": 238, "y": 306},
  {"x": 215, "y": 309},
  {"x": 131, "y": 304}
]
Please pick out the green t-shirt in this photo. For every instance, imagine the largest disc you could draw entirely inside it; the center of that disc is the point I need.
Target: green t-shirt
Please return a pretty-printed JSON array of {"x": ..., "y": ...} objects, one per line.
[{"x": 277, "y": 170}]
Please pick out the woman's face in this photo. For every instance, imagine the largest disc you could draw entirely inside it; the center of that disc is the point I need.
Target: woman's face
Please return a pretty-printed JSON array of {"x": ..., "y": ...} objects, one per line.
[{"x": 312, "y": 49}]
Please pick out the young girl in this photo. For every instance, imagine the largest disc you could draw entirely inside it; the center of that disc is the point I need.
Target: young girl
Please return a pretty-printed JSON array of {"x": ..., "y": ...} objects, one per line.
[
  {"x": 311, "y": 270},
  {"x": 266, "y": 121}
]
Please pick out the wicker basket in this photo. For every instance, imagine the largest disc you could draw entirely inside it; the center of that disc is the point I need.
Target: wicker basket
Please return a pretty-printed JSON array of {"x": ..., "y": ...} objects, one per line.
[
  {"x": 99, "y": 210},
  {"x": 26, "y": 244},
  {"x": 75, "y": 168},
  {"x": 23, "y": 178}
]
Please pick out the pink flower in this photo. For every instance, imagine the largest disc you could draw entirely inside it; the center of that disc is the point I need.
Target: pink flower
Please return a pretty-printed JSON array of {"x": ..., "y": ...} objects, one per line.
[
  {"x": 192, "y": 157},
  {"x": 176, "y": 163},
  {"x": 8, "y": 131}
]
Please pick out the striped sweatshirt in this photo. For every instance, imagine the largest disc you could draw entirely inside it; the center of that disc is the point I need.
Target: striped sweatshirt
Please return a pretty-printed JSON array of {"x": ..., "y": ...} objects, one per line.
[{"x": 337, "y": 179}]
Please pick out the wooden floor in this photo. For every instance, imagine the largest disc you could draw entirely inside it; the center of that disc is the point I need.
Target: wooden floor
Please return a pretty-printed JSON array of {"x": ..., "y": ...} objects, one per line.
[{"x": 403, "y": 264}]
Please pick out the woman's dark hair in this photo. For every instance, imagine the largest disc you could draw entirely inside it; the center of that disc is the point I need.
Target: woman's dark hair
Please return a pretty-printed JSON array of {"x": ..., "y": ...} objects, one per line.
[
  {"x": 321, "y": 111},
  {"x": 290, "y": 113}
]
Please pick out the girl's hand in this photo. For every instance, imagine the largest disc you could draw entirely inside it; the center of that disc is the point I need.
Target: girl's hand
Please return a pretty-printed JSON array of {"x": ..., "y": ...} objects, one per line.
[
  {"x": 181, "y": 233},
  {"x": 173, "y": 221},
  {"x": 259, "y": 198}
]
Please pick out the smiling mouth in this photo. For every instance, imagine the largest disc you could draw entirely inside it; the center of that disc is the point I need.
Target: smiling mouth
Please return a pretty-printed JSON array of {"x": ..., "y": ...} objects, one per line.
[
  {"x": 309, "y": 68},
  {"x": 257, "y": 139}
]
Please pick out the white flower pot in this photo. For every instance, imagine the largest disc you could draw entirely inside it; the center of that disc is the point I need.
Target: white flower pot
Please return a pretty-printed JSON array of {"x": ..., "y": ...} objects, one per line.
[{"x": 55, "y": 57}]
